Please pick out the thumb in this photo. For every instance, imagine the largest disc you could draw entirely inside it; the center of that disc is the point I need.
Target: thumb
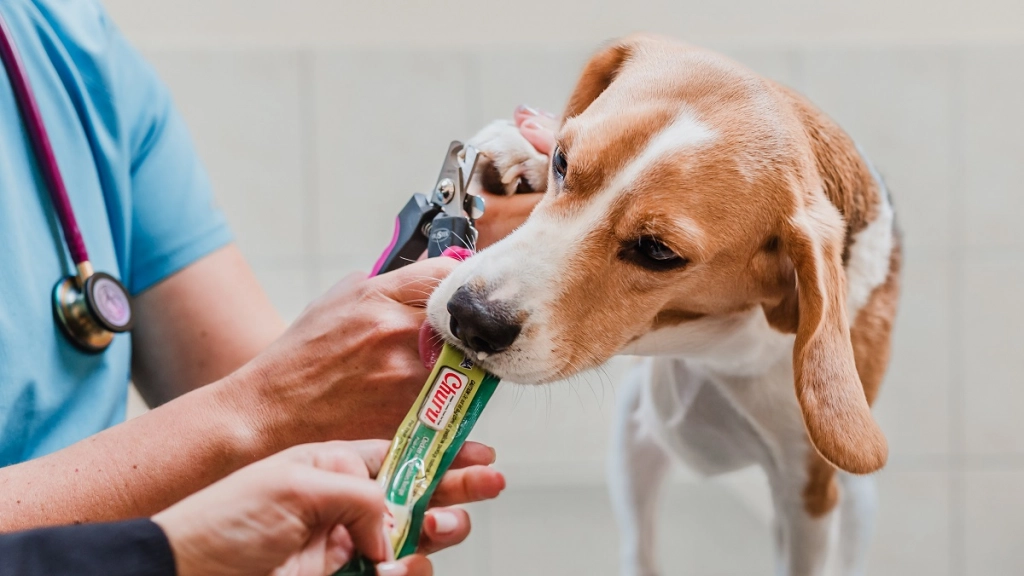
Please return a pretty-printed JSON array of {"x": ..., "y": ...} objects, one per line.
[
  {"x": 413, "y": 284},
  {"x": 332, "y": 499},
  {"x": 543, "y": 139}
]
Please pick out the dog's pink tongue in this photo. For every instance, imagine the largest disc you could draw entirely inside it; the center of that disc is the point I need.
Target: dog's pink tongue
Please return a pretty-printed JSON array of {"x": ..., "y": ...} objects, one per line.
[
  {"x": 430, "y": 342},
  {"x": 430, "y": 345}
]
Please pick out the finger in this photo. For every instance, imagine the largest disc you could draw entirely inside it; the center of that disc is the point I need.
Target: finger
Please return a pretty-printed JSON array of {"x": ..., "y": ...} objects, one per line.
[
  {"x": 443, "y": 528},
  {"x": 411, "y": 284},
  {"x": 371, "y": 453},
  {"x": 365, "y": 457},
  {"x": 524, "y": 113},
  {"x": 417, "y": 565},
  {"x": 474, "y": 454},
  {"x": 340, "y": 549},
  {"x": 330, "y": 498},
  {"x": 346, "y": 283},
  {"x": 393, "y": 569},
  {"x": 360, "y": 458},
  {"x": 540, "y": 135},
  {"x": 471, "y": 484}
]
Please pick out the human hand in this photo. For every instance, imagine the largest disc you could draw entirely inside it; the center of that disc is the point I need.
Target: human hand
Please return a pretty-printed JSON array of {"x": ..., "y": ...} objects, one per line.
[
  {"x": 347, "y": 368},
  {"x": 505, "y": 213},
  {"x": 312, "y": 508}
]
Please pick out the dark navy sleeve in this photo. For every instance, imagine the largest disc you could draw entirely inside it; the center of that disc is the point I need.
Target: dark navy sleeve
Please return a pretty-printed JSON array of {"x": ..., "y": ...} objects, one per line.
[{"x": 130, "y": 548}]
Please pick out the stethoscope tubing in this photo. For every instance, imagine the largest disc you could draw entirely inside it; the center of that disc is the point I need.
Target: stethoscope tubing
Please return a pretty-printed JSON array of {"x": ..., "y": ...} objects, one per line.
[{"x": 40, "y": 139}]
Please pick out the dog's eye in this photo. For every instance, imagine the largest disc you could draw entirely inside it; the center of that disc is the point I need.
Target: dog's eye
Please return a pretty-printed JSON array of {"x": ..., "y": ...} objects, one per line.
[
  {"x": 559, "y": 163},
  {"x": 653, "y": 254}
]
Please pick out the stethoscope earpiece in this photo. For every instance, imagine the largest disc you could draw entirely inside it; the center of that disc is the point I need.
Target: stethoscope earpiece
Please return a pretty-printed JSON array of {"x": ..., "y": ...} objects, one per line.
[{"x": 91, "y": 312}]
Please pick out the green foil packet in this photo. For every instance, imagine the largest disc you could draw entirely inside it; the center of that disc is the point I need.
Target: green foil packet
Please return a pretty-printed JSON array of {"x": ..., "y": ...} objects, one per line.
[{"x": 427, "y": 441}]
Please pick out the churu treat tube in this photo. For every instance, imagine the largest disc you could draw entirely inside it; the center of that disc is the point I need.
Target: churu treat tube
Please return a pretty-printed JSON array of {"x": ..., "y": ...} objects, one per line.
[{"x": 427, "y": 441}]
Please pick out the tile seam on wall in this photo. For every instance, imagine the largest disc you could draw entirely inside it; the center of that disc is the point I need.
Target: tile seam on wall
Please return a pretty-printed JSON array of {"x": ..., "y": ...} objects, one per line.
[
  {"x": 308, "y": 140},
  {"x": 474, "y": 90},
  {"x": 957, "y": 414}
]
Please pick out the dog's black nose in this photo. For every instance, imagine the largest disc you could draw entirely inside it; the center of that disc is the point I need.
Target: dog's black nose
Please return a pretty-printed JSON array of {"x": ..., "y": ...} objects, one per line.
[{"x": 483, "y": 325}]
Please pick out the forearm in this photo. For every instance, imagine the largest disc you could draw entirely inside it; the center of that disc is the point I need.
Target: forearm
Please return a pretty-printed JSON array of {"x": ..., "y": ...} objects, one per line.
[
  {"x": 199, "y": 325},
  {"x": 141, "y": 466}
]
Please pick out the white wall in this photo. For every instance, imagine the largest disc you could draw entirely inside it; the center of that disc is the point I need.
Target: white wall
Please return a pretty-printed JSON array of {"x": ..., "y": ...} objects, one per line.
[
  {"x": 317, "y": 119},
  {"x": 553, "y": 23}
]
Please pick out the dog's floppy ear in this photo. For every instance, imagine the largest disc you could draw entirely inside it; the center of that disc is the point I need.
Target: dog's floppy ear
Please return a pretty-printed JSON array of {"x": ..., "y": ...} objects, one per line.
[
  {"x": 598, "y": 75},
  {"x": 831, "y": 396}
]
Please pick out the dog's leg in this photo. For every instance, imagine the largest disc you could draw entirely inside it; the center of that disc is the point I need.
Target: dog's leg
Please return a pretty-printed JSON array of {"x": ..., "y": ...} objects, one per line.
[
  {"x": 805, "y": 537},
  {"x": 779, "y": 539},
  {"x": 858, "y": 506},
  {"x": 804, "y": 493},
  {"x": 637, "y": 468}
]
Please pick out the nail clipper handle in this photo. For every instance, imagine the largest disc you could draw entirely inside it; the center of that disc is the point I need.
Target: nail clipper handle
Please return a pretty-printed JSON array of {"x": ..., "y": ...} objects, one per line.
[
  {"x": 409, "y": 240},
  {"x": 448, "y": 231}
]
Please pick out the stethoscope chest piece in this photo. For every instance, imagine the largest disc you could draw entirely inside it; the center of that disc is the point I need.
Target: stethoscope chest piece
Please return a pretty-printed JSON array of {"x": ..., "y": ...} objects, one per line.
[{"x": 91, "y": 312}]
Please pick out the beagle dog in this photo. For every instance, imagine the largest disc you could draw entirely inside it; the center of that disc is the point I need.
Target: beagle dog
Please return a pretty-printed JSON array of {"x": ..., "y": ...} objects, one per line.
[{"x": 726, "y": 230}]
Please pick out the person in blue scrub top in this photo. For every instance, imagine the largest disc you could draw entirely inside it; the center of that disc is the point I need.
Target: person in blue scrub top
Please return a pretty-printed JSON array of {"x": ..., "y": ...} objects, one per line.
[{"x": 229, "y": 384}]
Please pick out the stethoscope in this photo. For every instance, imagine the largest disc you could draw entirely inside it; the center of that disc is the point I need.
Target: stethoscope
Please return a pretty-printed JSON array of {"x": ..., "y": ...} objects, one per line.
[{"x": 90, "y": 307}]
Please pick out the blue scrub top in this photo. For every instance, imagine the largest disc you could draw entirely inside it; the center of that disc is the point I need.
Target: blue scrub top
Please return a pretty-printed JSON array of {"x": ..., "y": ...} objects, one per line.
[{"x": 140, "y": 194}]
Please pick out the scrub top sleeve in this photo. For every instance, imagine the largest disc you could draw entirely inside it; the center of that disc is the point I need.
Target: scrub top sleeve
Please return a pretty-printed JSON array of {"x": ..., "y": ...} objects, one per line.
[
  {"x": 175, "y": 220},
  {"x": 130, "y": 548}
]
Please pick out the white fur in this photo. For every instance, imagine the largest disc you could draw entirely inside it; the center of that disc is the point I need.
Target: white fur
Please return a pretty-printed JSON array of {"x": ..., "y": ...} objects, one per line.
[{"x": 868, "y": 266}]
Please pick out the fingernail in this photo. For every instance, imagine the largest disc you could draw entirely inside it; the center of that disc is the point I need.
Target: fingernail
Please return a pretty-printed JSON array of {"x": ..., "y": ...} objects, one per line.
[
  {"x": 391, "y": 569},
  {"x": 528, "y": 110},
  {"x": 494, "y": 455},
  {"x": 457, "y": 252},
  {"x": 445, "y": 522},
  {"x": 530, "y": 125}
]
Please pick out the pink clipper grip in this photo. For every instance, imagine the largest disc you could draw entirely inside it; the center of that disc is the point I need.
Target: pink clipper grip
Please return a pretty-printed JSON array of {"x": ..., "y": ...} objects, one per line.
[
  {"x": 387, "y": 251},
  {"x": 457, "y": 253},
  {"x": 430, "y": 342}
]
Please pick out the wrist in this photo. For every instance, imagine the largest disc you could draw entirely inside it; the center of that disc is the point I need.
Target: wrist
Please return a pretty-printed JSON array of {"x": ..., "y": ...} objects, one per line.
[
  {"x": 182, "y": 567},
  {"x": 252, "y": 424}
]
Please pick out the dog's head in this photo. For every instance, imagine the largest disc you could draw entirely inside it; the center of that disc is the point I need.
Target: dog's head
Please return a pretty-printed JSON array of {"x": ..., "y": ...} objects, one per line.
[{"x": 685, "y": 193}]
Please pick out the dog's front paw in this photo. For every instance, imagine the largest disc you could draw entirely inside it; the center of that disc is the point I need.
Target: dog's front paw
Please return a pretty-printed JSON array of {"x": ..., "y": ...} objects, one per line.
[{"x": 508, "y": 163}]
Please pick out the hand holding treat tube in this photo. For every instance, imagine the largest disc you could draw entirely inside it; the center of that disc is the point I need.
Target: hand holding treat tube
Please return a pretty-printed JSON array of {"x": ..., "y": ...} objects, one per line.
[{"x": 309, "y": 510}]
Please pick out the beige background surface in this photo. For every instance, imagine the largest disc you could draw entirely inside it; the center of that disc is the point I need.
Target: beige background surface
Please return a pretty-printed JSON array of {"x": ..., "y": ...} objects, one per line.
[{"x": 317, "y": 119}]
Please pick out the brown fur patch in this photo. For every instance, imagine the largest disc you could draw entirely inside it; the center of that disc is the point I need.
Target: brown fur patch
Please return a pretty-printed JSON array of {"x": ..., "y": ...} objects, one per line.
[
  {"x": 821, "y": 493},
  {"x": 871, "y": 332},
  {"x": 490, "y": 178},
  {"x": 597, "y": 76}
]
